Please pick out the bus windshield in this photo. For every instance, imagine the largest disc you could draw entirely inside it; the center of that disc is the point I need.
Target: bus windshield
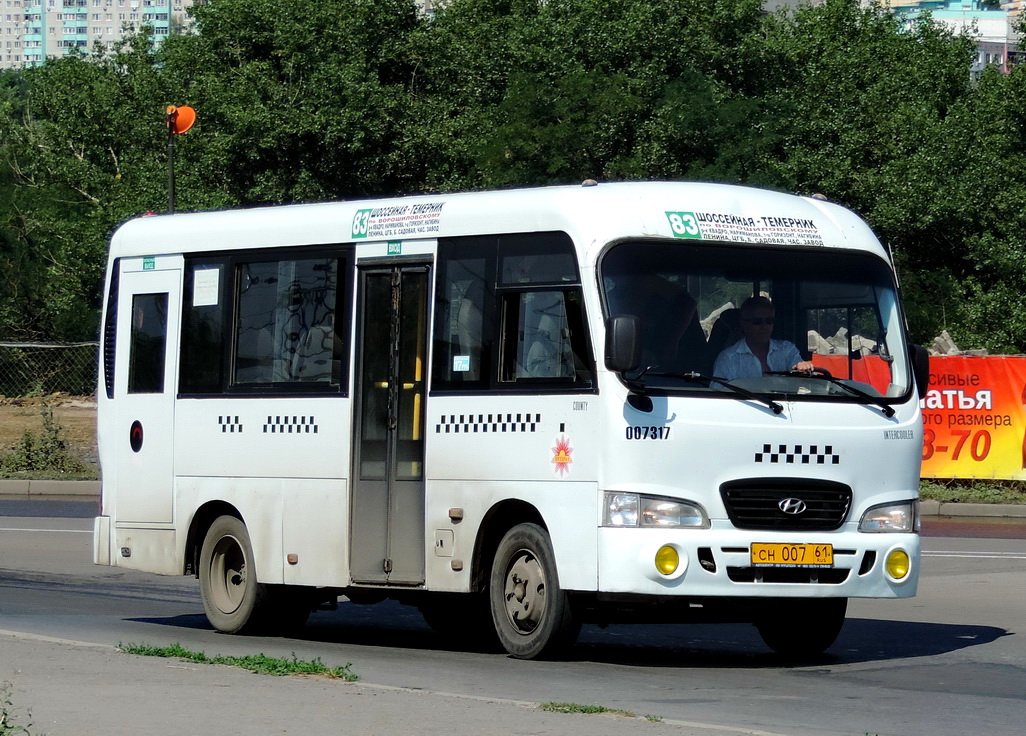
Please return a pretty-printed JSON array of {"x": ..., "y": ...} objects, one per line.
[{"x": 731, "y": 318}]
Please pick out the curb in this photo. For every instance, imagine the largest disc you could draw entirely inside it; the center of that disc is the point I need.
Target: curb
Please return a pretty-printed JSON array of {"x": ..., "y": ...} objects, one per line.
[
  {"x": 38, "y": 489},
  {"x": 998, "y": 510}
]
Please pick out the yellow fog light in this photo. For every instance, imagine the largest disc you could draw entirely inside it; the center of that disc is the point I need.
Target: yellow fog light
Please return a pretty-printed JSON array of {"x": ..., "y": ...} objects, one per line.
[
  {"x": 897, "y": 563},
  {"x": 667, "y": 560}
]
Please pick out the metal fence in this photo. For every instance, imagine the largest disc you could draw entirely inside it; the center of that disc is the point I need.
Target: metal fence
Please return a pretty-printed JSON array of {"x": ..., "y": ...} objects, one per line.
[{"x": 32, "y": 368}]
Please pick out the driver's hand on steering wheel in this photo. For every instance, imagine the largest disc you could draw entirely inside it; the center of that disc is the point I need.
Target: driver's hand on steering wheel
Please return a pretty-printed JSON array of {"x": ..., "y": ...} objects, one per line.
[{"x": 804, "y": 366}]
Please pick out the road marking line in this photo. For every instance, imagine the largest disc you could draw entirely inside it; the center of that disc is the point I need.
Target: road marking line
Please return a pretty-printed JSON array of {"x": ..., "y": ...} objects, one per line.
[
  {"x": 55, "y": 640},
  {"x": 56, "y": 531}
]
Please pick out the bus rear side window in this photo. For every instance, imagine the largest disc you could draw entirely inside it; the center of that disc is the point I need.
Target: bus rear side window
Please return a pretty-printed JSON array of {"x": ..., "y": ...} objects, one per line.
[
  {"x": 148, "y": 344},
  {"x": 285, "y": 329},
  {"x": 203, "y": 329}
]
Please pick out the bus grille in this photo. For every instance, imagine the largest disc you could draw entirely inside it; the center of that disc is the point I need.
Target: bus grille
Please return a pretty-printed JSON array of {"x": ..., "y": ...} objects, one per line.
[{"x": 757, "y": 504}]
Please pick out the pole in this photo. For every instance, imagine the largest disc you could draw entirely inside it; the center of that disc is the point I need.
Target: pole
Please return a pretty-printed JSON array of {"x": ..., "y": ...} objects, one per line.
[{"x": 171, "y": 164}]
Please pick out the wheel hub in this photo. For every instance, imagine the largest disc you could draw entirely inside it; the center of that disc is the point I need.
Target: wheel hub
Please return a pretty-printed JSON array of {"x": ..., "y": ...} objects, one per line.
[
  {"x": 228, "y": 575},
  {"x": 525, "y": 592}
]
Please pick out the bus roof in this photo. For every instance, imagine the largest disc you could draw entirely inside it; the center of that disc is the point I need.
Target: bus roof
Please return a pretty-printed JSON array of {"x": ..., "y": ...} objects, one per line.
[{"x": 592, "y": 214}]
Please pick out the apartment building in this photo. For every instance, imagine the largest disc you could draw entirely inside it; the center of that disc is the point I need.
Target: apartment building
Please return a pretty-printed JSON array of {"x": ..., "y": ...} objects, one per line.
[
  {"x": 990, "y": 25},
  {"x": 34, "y": 30}
]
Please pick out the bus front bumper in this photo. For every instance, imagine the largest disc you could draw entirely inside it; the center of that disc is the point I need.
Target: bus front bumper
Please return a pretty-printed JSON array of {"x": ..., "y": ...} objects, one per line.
[{"x": 715, "y": 563}]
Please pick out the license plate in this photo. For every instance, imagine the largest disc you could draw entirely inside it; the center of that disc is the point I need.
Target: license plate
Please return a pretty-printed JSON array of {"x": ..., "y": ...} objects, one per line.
[{"x": 792, "y": 555}]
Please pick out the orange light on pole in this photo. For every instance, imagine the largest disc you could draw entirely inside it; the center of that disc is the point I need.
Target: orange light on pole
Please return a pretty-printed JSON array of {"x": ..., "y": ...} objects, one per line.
[{"x": 179, "y": 119}]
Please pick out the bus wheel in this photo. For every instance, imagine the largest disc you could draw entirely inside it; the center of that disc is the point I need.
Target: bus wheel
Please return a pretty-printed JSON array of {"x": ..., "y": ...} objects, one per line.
[
  {"x": 228, "y": 584},
  {"x": 802, "y": 627},
  {"x": 530, "y": 611}
]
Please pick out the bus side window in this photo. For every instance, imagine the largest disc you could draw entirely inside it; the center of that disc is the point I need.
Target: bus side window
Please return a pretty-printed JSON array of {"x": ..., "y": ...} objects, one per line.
[
  {"x": 251, "y": 322},
  {"x": 203, "y": 321},
  {"x": 148, "y": 344},
  {"x": 463, "y": 315},
  {"x": 543, "y": 336},
  {"x": 285, "y": 321},
  {"x": 510, "y": 309}
]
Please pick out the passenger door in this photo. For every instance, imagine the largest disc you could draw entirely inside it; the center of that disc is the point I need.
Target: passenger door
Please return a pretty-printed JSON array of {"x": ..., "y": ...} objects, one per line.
[{"x": 387, "y": 534}]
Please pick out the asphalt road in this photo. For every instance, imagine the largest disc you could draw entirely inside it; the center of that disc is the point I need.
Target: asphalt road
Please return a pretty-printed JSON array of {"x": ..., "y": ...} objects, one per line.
[{"x": 951, "y": 661}]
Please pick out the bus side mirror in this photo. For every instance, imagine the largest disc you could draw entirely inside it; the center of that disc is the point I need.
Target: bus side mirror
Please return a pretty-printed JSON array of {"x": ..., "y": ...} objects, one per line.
[
  {"x": 623, "y": 343},
  {"x": 920, "y": 368}
]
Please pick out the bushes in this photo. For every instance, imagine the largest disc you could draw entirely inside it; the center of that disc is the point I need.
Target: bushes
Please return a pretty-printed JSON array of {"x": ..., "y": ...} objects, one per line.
[{"x": 46, "y": 455}]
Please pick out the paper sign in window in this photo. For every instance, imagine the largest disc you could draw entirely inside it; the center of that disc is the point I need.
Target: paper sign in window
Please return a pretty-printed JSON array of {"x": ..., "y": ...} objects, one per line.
[{"x": 205, "y": 290}]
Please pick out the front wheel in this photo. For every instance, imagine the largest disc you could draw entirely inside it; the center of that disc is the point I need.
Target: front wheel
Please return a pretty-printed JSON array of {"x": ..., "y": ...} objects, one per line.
[
  {"x": 802, "y": 627},
  {"x": 531, "y": 613}
]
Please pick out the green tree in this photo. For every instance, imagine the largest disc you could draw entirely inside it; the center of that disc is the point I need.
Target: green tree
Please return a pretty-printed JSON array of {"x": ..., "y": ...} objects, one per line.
[
  {"x": 297, "y": 101},
  {"x": 528, "y": 92},
  {"x": 83, "y": 153}
]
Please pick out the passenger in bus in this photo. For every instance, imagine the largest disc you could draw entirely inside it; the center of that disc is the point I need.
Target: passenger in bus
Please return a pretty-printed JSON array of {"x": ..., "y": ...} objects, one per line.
[{"x": 757, "y": 352}]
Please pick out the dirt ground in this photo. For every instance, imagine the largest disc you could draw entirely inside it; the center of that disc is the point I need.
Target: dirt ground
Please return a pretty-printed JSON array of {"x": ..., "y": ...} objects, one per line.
[{"x": 75, "y": 414}]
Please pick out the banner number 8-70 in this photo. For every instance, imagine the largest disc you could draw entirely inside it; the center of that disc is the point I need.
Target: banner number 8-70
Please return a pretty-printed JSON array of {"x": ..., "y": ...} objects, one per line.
[{"x": 684, "y": 224}]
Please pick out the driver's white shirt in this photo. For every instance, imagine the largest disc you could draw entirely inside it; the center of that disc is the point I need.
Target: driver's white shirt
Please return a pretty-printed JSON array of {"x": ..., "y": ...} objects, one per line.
[{"x": 738, "y": 361}]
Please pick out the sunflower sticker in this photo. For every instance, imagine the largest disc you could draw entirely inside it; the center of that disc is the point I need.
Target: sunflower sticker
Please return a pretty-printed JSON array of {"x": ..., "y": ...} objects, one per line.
[{"x": 562, "y": 456}]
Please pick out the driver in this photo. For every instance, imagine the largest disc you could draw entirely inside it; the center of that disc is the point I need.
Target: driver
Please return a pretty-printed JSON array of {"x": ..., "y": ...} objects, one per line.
[{"x": 756, "y": 352}]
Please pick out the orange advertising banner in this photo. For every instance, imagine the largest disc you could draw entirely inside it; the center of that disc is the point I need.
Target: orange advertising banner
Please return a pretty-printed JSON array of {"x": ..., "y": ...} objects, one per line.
[{"x": 974, "y": 418}]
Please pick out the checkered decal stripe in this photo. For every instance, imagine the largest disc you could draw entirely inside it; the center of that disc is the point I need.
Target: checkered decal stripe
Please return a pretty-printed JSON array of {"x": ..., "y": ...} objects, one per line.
[
  {"x": 229, "y": 425},
  {"x": 798, "y": 455},
  {"x": 494, "y": 423},
  {"x": 290, "y": 425}
]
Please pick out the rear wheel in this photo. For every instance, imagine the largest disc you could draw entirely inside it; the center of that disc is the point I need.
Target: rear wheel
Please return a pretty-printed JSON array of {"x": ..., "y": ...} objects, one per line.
[
  {"x": 228, "y": 584},
  {"x": 531, "y": 613},
  {"x": 232, "y": 598},
  {"x": 802, "y": 627}
]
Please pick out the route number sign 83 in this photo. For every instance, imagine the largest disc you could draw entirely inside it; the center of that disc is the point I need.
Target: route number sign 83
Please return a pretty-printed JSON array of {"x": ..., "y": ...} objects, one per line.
[
  {"x": 684, "y": 224},
  {"x": 360, "y": 223}
]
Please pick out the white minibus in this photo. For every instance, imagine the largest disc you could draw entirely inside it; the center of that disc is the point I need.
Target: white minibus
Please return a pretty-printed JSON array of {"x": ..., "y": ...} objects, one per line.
[{"x": 516, "y": 410}]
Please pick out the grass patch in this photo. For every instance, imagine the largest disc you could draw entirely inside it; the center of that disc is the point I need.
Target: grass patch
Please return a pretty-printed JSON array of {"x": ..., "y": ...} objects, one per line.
[
  {"x": 961, "y": 490},
  {"x": 586, "y": 709},
  {"x": 259, "y": 663},
  {"x": 8, "y": 727}
]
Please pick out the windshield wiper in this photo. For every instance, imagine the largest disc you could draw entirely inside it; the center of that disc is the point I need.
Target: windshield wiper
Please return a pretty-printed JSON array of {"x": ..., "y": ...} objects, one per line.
[
  {"x": 867, "y": 398},
  {"x": 636, "y": 384},
  {"x": 693, "y": 376}
]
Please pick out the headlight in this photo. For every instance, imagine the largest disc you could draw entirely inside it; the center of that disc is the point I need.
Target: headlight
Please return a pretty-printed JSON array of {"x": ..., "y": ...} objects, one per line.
[
  {"x": 632, "y": 509},
  {"x": 890, "y": 517}
]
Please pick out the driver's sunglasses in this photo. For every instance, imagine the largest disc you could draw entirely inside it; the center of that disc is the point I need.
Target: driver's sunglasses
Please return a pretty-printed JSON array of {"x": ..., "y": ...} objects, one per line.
[{"x": 759, "y": 320}]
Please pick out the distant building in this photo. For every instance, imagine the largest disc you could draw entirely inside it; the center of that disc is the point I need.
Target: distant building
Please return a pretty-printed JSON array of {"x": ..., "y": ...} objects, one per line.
[
  {"x": 34, "y": 30},
  {"x": 990, "y": 24}
]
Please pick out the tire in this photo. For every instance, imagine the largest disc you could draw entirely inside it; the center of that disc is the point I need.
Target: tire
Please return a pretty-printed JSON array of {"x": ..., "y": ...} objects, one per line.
[
  {"x": 802, "y": 628},
  {"x": 530, "y": 611},
  {"x": 228, "y": 582}
]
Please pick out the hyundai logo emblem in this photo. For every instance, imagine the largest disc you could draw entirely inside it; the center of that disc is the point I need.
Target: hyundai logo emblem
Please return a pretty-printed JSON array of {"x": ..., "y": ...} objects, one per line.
[{"x": 793, "y": 506}]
